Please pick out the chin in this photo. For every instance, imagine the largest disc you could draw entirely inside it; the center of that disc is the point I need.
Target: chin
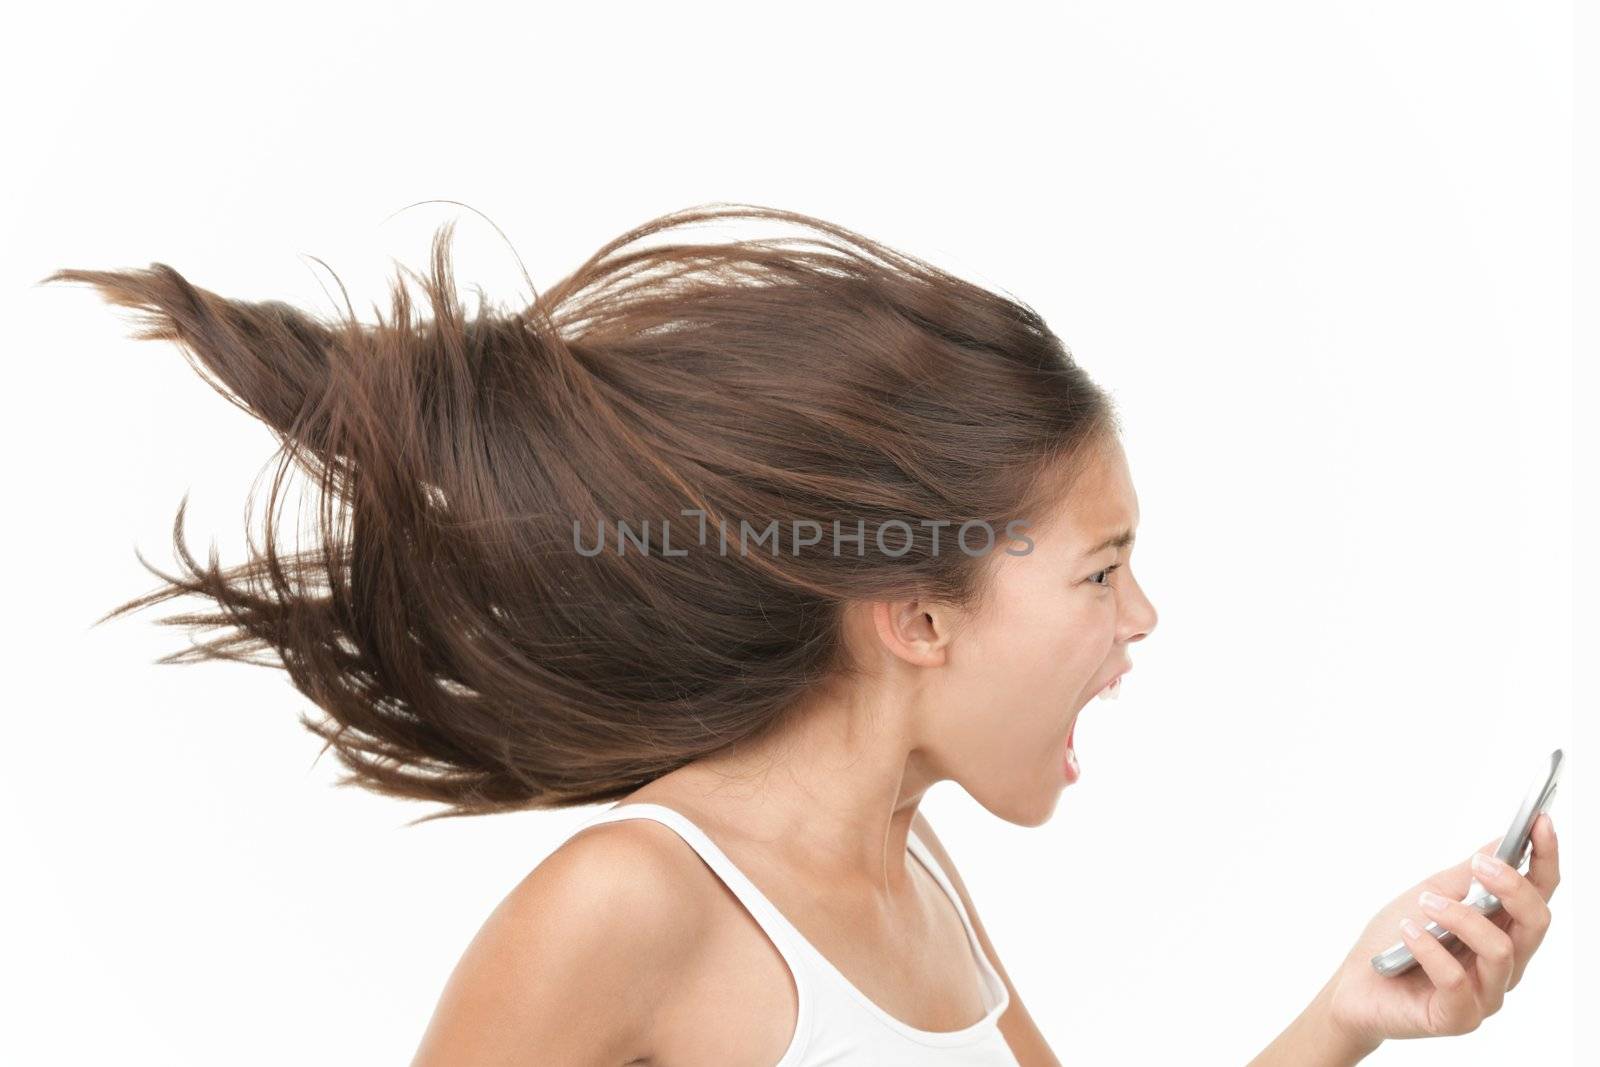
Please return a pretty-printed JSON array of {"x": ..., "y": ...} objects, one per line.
[
  {"x": 1030, "y": 811},
  {"x": 1036, "y": 817}
]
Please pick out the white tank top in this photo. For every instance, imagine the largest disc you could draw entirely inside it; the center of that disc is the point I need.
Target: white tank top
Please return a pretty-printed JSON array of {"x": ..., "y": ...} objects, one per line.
[{"x": 836, "y": 1024}]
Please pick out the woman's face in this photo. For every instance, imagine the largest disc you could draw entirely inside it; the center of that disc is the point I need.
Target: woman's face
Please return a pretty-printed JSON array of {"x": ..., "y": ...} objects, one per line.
[{"x": 1000, "y": 707}]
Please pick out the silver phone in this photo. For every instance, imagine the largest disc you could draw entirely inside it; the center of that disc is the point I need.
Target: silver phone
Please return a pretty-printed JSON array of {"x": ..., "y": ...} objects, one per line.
[{"x": 1513, "y": 850}]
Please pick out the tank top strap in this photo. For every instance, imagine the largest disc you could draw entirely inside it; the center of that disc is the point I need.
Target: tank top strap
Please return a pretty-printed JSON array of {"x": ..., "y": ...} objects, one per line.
[
  {"x": 814, "y": 974},
  {"x": 790, "y": 942},
  {"x": 999, "y": 995}
]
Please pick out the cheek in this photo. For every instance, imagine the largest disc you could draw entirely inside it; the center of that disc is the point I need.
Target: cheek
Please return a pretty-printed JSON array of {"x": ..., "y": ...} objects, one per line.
[
  {"x": 1033, "y": 662},
  {"x": 1055, "y": 666}
]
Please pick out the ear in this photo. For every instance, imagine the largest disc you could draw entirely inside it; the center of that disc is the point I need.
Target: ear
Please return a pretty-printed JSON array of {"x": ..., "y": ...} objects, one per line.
[{"x": 917, "y": 631}]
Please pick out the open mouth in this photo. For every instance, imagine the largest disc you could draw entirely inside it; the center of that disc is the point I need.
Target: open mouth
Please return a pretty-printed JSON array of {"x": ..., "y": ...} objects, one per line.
[{"x": 1069, "y": 763}]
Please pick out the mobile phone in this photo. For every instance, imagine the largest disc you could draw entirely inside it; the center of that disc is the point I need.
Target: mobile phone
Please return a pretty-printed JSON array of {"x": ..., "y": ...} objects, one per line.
[{"x": 1513, "y": 850}]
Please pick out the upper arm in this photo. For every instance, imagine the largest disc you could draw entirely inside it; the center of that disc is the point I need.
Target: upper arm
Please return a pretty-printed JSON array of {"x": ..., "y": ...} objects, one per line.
[
  {"x": 572, "y": 965},
  {"x": 1016, "y": 1025}
]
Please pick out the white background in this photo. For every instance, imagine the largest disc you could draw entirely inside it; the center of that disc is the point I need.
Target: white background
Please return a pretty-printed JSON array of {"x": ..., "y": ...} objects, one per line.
[{"x": 1322, "y": 255}]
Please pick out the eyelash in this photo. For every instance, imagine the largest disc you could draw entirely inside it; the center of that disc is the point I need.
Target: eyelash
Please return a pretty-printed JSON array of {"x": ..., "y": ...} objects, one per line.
[{"x": 1107, "y": 572}]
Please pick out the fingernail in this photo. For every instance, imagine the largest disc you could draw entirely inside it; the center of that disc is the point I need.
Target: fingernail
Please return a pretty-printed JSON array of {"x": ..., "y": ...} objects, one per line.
[
  {"x": 1432, "y": 903},
  {"x": 1410, "y": 928},
  {"x": 1488, "y": 868}
]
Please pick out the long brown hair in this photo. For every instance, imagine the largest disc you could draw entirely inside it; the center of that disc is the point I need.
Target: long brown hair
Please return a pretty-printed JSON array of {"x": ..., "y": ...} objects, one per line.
[{"x": 463, "y": 642}]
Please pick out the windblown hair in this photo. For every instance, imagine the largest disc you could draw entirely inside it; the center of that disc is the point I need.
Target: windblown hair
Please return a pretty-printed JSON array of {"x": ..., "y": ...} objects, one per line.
[{"x": 460, "y": 647}]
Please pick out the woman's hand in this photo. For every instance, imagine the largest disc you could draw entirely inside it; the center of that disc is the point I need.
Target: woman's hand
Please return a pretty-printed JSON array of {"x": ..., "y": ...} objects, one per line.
[{"x": 1451, "y": 991}]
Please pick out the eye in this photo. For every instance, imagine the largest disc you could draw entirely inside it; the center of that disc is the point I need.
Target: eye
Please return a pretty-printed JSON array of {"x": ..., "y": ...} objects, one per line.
[{"x": 1106, "y": 574}]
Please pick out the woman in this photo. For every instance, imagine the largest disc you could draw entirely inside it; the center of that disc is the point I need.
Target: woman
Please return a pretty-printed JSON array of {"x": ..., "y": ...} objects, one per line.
[{"x": 758, "y": 540}]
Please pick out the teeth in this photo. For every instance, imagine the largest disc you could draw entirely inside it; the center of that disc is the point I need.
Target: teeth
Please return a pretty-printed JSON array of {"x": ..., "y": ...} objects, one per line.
[{"x": 1112, "y": 691}]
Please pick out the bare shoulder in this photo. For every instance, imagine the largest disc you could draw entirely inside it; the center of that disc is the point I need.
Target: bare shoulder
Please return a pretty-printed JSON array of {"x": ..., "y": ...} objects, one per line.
[
  {"x": 574, "y": 962},
  {"x": 1016, "y": 1025}
]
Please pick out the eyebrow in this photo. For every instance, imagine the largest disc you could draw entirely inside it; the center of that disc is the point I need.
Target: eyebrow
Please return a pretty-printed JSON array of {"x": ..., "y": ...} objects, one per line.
[{"x": 1118, "y": 540}]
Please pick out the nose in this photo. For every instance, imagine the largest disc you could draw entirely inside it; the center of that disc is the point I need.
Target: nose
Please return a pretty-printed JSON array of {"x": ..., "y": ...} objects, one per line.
[{"x": 1138, "y": 614}]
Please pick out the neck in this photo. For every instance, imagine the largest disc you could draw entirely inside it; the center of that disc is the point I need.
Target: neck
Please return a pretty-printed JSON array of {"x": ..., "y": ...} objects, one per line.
[{"x": 835, "y": 787}]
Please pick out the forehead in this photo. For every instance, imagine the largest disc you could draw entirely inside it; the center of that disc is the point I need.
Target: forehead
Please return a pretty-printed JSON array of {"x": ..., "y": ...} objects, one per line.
[{"x": 1098, "y": 503}]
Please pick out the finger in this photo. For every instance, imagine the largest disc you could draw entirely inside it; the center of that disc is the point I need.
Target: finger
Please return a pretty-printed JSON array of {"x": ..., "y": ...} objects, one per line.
[
  {"x": 1522, "y": 901},
  {"x": 1454, "y": 881},
  {"x": 1493, "y": 946},
  {"x": 1544, "y": 869},
  {"x": 1454, "y": 1008},
  {"x": 1518, "y": 894}
]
